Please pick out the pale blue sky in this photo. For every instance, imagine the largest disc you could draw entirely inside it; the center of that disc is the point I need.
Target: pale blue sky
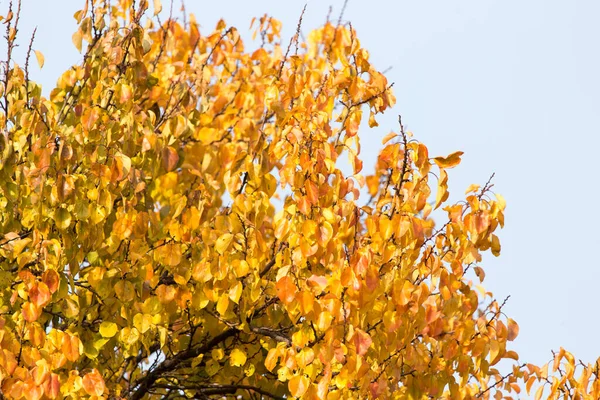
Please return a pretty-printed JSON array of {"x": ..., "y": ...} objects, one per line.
[{"x": 514, "y": 84}]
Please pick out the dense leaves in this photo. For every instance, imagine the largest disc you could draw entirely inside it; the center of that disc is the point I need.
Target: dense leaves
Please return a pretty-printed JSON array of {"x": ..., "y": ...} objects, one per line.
[{"x": 177, "y": 222}]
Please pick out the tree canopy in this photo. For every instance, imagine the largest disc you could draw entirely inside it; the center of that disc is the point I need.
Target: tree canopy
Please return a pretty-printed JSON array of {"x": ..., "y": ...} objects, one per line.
[{"x": 186, "y": 218}]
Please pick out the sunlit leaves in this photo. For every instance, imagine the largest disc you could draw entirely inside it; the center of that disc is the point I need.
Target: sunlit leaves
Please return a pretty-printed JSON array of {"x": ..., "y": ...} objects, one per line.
[{"x": 177, "y": 220}]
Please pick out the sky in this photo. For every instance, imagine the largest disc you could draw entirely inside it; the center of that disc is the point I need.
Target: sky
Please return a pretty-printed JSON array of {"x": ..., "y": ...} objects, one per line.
[{"x": 514, "y": 84}]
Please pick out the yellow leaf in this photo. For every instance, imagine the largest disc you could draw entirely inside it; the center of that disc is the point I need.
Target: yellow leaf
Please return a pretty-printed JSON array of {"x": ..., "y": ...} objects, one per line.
[
  {"x": 223, "y": 304},
  {"x": 197, "y": 360},
  {"x": 124, "y": 290},
  {"x": 142, "y": 322},
  {"x": 40, "y": 58},
  {"x": 237, "y": 358},
  {"x": 223, "y": 243},
  {"x": 385, "y": 227},
  {"x": 388, "y": 137},
  {"x": 77, "y": 39},
  {"x": 539, "y": 393},
  {"x": 129, "y": 336},
  {"x": 501, "y": 202},
  {"x": 472, "y": 188},
  {"x": 236, "y": 292},
  {"x": 108, "y": 329},
  {"x": 249, "y": 370},
  {"x": 494, "y": 352},
  {"x": 217, "y": 354},
  {"x": 298, "y": 385},
  {"x": 449, "y": 162}
]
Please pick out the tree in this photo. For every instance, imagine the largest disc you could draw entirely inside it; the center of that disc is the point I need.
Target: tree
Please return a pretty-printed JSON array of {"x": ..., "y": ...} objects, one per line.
[{"x": 177, "y": 223}]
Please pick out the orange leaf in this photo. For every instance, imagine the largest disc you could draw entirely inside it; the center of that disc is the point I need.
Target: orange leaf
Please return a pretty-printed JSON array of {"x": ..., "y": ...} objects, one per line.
[
  {"x": 388, "y": 137},
  {"x": 271, "y": 359},
  {"x": 39, "y": 294},
  {"x": 30, "y": 311},
  {"x": 286, "y": 289},
  {"x": 305, "y": 300},
  {"x": 170, "y": 158},
  {"x": 51, "y": 278},
  {"x": 449, "y": 162},
  {"x": 52, "y": 386},
  {"x": 362, "y": 341},
  {"x": 317, "y": 282},
  {"x": 513, "y": 329},
  {"x": 442, "y": 192},
  {"x": 169, "y": 254},
  {"x": 40, "y": 372},
  {"x": 312, "y": 192},
  {"x": 71, "y": 347},
  {"x": 93, "y": 383}
]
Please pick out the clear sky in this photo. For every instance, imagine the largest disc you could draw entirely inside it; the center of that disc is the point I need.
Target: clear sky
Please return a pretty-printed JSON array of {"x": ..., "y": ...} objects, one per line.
[{"x": 514, "y": 84}]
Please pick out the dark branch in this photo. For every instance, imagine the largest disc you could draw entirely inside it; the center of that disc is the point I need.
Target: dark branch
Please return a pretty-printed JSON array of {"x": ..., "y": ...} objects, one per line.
[
  {"x": 146, "y": 382},
  {"x": 272, "y": 333},
  {"x": 207, "y": 390}
]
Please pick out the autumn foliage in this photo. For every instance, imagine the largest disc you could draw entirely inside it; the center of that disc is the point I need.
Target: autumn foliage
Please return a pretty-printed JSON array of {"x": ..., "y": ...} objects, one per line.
[{"x": 185, "y": 217}]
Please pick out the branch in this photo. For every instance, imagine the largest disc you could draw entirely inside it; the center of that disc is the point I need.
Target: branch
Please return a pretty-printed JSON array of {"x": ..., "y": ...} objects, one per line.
[
  {"x": 502, "y": 379},
  {"x": 267, "y": 268},
  {"x": 272, "y": 333},
  {"x": 146, "y": 382},
  {"x": 207, "y": 390}
]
